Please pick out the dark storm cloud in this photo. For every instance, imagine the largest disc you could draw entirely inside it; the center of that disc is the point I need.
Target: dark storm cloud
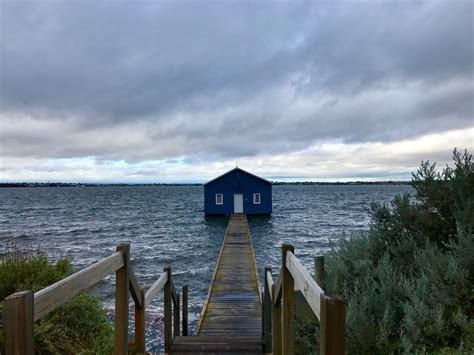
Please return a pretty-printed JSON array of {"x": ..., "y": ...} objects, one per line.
[
  {"x": 128, "y": 59},
  {"x": 156, "y": 80}
]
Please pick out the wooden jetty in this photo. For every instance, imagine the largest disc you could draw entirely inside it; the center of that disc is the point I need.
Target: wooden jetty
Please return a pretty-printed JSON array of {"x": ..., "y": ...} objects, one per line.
[
  {"x": 237, "y": 317},
  {"x": 231, "y": 319}
]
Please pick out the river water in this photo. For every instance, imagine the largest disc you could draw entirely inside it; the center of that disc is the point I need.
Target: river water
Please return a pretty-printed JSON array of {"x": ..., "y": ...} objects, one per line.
[{"x": 165, "y": 225}]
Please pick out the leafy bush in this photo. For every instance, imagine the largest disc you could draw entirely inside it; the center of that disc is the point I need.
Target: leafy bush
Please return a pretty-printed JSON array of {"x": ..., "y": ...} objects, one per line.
[
  {"x": 408, "y": 281},
  {"x": 79, "y": 326},
  {"x": 23, "y": 268}
]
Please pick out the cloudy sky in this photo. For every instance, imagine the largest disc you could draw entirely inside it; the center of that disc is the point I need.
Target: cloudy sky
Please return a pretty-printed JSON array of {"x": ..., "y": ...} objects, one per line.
[{"x": 178, "y": 91}]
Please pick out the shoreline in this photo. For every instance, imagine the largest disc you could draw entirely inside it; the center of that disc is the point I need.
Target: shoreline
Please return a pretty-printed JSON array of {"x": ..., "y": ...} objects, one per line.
[{"x": 275, "y": 183}]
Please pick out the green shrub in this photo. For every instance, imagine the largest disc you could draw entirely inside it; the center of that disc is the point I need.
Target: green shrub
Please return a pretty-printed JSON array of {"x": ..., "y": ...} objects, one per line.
[
  {"x": 79, "y": 326},
  {"x": 306, "y": 329},
  {"x": 408, "y": 281},
  {"x": 23, "y": 268}
]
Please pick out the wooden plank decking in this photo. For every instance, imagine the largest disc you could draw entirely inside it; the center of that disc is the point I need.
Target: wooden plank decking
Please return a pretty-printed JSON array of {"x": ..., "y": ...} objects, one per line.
[{"x": 231, "y": 319}]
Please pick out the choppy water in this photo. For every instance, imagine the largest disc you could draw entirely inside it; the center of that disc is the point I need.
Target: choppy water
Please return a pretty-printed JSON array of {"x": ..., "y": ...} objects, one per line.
[{"x": 166, "y": 226}]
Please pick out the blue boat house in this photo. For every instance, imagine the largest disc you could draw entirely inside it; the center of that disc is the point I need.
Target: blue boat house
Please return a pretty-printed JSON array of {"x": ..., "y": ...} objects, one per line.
[{"x": 238, "y": 191}]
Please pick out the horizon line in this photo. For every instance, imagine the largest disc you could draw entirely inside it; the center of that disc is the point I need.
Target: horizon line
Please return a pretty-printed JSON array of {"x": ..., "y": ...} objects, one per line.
[{"x": 197, "y": 183}]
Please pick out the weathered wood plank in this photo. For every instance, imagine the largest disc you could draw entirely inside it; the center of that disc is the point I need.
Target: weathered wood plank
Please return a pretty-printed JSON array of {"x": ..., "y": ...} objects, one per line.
[
  {"x": 267, "y": 310},
  {"x": 19, "y": 323},
  {"x": 185, "y": 310},
  {"x": 276, "y": 324},
  {"x": 305, "y": 283},
  {"x": 233, "y": 305},
  {"x": 231, "y": 319},
  {"x": 217, "y": 345},
  {"x": 155, "y": 288},
  {"x": 319, "y": 273},
  {"x": 174, "y": 294},
  {"x": 176, "y": 305},
  {"x": 248, "y": 312},
  {"x": 167, "y": 310},
  {"x": 224, "y": 318},
  {"x": 134, "y": 288},
  {"x": 277, "y": 291},
  {"x": 269, "y": 280},
  {"x": 288, "y": 304},
  {"x": 206, "y": 302},
  {"x": 53, "y": 296},
  {"x": 333, "y": 315},
  {"x": 225, "y": 307},
  {"x": 221, "y": 289},
  {"x": 220, "y": 340},
  {"x": 230, "y": 301},
  {"x": 121, "y": 302},
  {"x": 233, "y": 326},
  {"x": 140, "y": 323}
]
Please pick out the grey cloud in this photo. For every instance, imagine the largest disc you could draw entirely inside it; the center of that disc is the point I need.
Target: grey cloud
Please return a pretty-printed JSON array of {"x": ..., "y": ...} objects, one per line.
[
  {"x": 141, "y": 59},
  {"x": 214, "y": 80}
]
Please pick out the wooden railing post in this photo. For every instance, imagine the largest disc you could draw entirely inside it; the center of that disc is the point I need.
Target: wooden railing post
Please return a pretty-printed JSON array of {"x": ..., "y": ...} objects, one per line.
[
  {"x": 121, "y": 302},
  {"x": 276, "y": 325},
  {"x": 288, "y": 306},
  {"x": 267, "y": 314},
  {"x": 185, "y": 310},
  {"x": 332, "y": 324},
  {"x": 176, "y": 317},
  {"x": 19, "y": 313},
  {"x": 167, "y": 310},
  {"x": 319, "y": 271},
  {"x": 140, "y": 323}
]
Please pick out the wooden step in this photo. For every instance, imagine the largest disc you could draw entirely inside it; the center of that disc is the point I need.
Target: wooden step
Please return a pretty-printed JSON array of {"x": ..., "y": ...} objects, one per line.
[{"x": 203, "y": 344}]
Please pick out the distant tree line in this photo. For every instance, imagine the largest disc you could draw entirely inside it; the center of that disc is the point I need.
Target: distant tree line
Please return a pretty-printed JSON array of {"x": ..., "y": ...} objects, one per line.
[
  {"x": 79, "y": 184},
  {"x": 389, "y": 182}
]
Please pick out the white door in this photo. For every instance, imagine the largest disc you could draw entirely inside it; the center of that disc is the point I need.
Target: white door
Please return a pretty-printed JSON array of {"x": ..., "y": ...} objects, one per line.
[{"x": 238, "y": 203}]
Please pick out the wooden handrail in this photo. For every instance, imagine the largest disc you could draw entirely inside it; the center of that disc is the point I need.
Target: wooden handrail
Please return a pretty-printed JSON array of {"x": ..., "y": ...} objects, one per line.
[
  {"x": 135, "y": 288},
  {"x": 305, "y": 283},
  {"x": 140, "y": 323},
  {"x": 269, "y": 279},
  {"x": 288, "y": 305},
  {"x": 122, "y": 291},
  {"x": 23, "y": 308},
  {"x": 155, "y": 288},
  {"x": 276, "y": 294},
  {"x": 276, "y": 319},
  {"x": 176, "y": 325},
  {"x": 174, "y": 294},
  {"x": 18, "y": 314},
  {"x": 185, "y": 311},
  {"x": 319, "y": 273},
  {"x": 267, "y": 306},
  {"x": 51, "y": 297},
  {"x": 168, "y": 310},
  {"x": 329, "y": 309}
]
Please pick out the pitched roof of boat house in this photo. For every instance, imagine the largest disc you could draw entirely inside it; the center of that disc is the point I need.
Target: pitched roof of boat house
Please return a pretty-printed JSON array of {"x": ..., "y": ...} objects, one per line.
[{"x": 238, "y": 191}]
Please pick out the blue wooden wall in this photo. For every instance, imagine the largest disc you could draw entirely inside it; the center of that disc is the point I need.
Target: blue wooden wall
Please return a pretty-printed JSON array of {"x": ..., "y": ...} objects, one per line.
[{"x": 238, "y": 181}]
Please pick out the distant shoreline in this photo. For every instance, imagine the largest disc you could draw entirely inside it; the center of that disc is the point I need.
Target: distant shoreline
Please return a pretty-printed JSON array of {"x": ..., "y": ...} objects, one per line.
[{"x": 64, "y": 184}]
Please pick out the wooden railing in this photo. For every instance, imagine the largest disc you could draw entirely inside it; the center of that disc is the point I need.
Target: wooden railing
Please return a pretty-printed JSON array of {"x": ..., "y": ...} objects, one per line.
[
  {"x": 22, "y": 309},
  {"x": 278, "y": 307}
]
